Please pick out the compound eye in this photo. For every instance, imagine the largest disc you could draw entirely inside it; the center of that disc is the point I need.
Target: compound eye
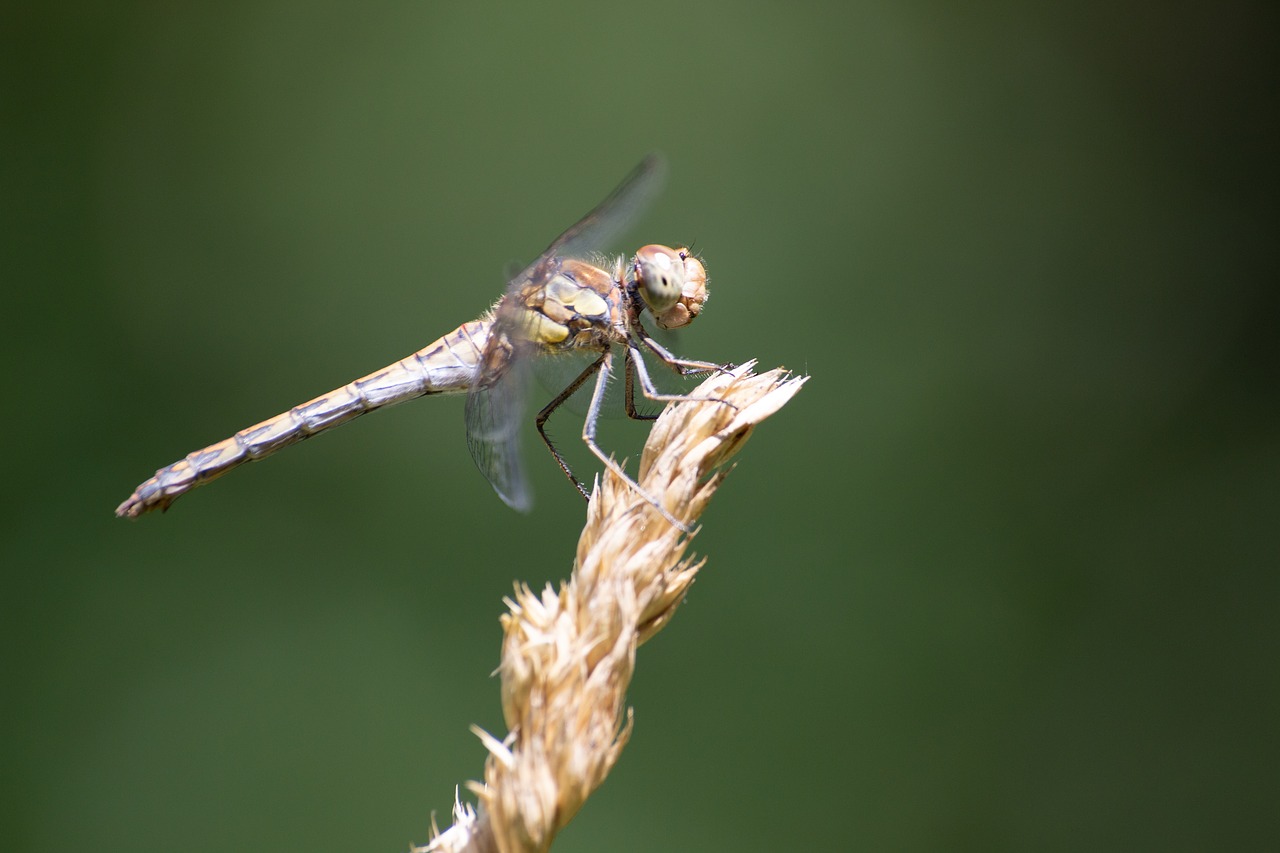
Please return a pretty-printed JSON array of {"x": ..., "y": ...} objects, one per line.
[{"x": 660, "y": 276}]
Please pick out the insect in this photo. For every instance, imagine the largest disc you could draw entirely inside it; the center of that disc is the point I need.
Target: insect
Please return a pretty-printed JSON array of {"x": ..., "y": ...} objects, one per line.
[{"x": 563, "y": 302}]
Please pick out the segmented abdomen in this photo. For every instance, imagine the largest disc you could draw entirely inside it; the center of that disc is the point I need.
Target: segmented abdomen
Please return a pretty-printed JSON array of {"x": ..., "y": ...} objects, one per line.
[{"x": 446, "y": 366}]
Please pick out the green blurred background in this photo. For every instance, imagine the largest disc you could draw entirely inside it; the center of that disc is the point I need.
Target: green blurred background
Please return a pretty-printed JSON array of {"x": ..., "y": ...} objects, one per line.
[{"x": 1003, "y": 576}]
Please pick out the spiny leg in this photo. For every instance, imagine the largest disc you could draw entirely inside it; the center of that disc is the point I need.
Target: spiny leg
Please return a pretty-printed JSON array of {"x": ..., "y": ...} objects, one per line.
[
  {"x": 589, "y": 437},
  {"x": 683, "y": 366},
  {"x": 629, "y": 399},
  {"x": 541, "y": 420},
  {"x": 650, "y": 391}
]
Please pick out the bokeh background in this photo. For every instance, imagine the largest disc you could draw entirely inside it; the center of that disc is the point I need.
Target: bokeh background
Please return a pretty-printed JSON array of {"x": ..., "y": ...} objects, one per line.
[{"x": 1002, "y": 577}]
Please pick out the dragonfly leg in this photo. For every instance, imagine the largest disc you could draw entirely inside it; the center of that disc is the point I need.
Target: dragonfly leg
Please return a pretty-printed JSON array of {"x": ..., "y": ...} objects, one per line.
[
  {"x": 589, "y": 437},
  {"x": 683, "y": 366},
  {"x": 541, "y": 420},
  {"x": 629, "y": 399},
  {"x": 636, "y": 359}
]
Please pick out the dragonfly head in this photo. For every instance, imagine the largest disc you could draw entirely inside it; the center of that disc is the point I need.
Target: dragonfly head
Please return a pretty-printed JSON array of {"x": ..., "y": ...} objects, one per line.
[
  {"x": 673, "y": 284},
  {"x": 693, "y": 295}
]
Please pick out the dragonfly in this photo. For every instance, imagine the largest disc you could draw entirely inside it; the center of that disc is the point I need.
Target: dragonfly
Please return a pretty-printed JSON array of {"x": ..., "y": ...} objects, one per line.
[{"x": 569, "y": 300}]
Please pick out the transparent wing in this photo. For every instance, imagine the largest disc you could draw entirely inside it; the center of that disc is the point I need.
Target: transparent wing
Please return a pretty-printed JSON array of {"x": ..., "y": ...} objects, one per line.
[
  {"x": 552, "y": 375},
  {"x": 610, "y": 217},
  {"x": 495, "y": 417},
  {"x": 496, "y": 402}
]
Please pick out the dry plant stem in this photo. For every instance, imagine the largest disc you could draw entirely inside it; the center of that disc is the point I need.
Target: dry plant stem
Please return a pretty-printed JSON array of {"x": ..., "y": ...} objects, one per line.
[{"x": 568, "y": 654}]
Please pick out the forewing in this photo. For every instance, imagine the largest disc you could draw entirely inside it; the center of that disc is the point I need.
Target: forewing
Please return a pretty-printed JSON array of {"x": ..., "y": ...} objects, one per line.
[
  {"x": 609, "y": 218},
  {"x": 495, "y": 404},
  {"x": 495, "y": 416}
]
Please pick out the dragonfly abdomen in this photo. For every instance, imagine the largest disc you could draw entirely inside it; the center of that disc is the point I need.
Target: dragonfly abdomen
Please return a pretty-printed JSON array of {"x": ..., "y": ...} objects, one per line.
[{"x": 446, "y": 366}]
